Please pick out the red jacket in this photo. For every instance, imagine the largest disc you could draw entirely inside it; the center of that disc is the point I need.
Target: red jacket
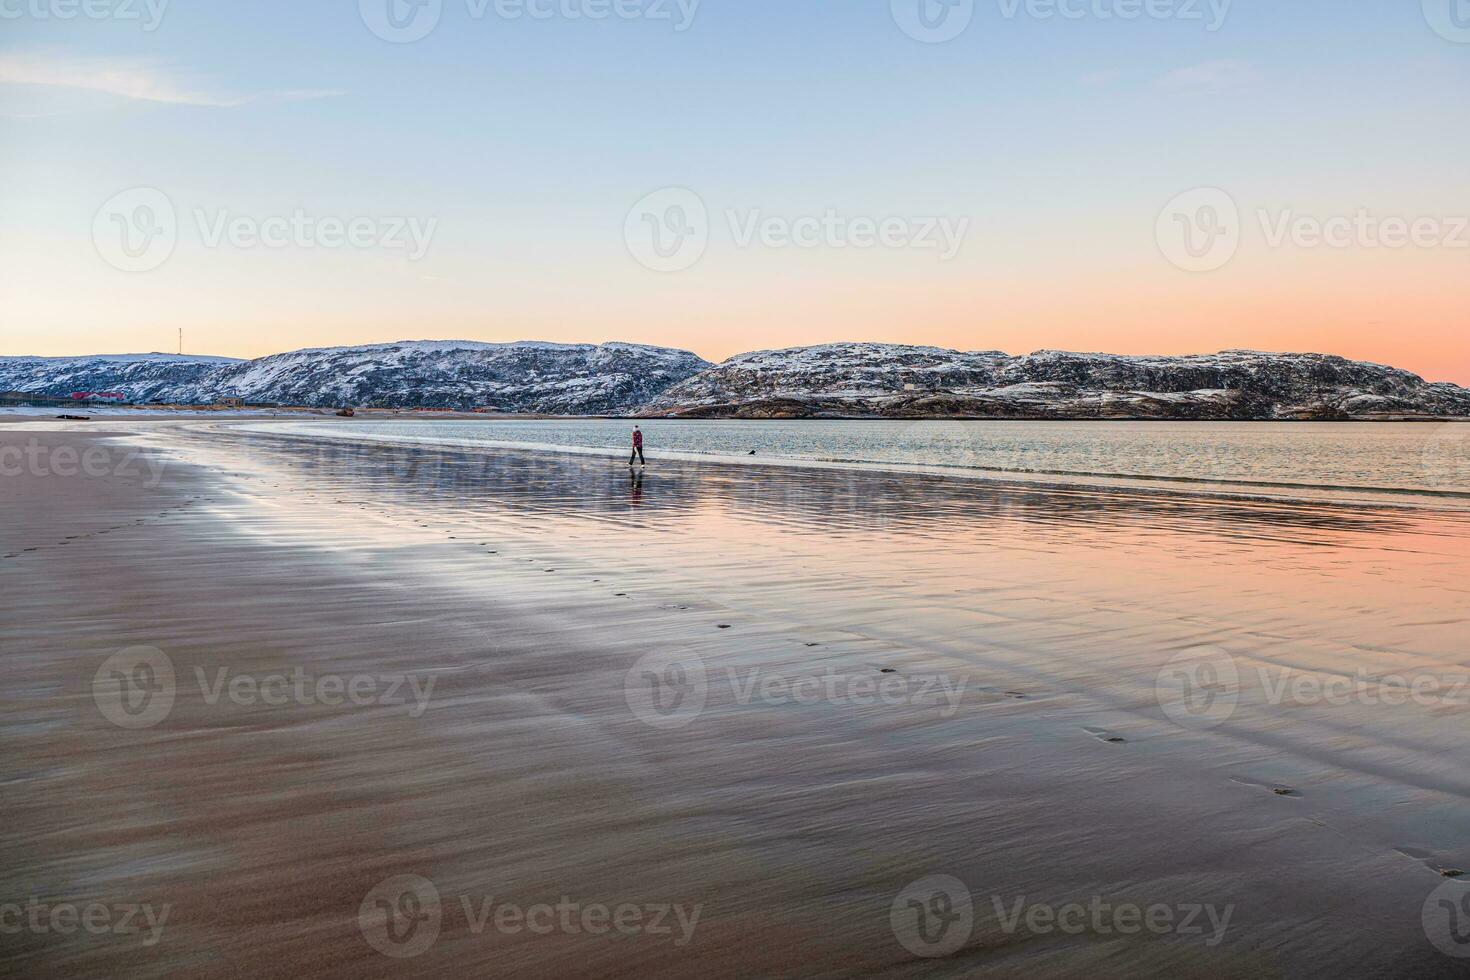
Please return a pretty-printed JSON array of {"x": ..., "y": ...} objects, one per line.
[{"x": 637, "y": 439}]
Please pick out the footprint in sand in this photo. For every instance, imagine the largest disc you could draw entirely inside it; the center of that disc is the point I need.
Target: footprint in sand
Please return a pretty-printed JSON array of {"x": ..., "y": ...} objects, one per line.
[
  {"x": 1427, "y": 859},
  {"x": 1276, "y": 788}
]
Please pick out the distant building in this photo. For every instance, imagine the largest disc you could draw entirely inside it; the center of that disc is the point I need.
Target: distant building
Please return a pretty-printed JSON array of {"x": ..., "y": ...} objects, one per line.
[{"x": 230, "y": 402}]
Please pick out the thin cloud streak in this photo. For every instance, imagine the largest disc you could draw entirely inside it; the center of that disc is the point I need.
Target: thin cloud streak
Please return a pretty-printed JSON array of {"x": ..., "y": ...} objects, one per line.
[
  {"x": 1211, "y": 76},
  {"x": 135, "y": 79}
]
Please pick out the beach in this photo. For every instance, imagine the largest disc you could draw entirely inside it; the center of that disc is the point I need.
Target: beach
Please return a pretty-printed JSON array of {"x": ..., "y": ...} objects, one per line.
[{"x": 721, "y": 721}]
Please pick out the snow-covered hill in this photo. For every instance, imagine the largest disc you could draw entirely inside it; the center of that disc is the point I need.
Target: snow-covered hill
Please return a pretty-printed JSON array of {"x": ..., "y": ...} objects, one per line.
[
  {"x": 529, "y": 376},
  {"x": 891, "y": 380},
  {"x": 831, "y": 380},
  {"x": 142, "y": 377}
]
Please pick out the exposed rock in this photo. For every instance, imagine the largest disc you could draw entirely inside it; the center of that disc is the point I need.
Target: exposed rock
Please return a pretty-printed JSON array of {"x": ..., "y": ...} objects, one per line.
[
  {"x": 141, "y": 377},
  {"x": 828, "y": 381},
  {"x": 896, "y": 381},
  {"x": 530, "y": 377}
]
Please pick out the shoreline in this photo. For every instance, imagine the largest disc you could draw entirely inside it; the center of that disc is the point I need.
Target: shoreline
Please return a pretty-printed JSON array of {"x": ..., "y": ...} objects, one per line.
[
  {"x": 296, "y": 412},
  {"x": 1083, "y": 481},
  {"x": 1061, "y": 481}
]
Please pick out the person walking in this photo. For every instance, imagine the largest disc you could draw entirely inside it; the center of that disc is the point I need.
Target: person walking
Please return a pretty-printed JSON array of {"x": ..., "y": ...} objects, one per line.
[{"x": 637, "y": 448}]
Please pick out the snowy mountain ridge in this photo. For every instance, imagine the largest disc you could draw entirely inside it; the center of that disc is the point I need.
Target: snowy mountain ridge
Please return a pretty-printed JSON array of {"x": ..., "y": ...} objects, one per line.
[
  {"x": 526, "y": 376},
  {"x": 865, "y": 380},
  {"x": 141, "y": 377},
  {"x": 861, "y": 380}
]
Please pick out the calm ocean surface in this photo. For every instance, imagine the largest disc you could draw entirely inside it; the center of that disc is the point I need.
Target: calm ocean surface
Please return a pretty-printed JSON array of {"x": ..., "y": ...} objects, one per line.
[{"x": 1408, "y": 458}]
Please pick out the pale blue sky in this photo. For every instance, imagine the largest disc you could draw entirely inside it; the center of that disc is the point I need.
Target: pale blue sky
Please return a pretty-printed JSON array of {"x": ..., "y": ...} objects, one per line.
[{"x": 529, "y": 140}]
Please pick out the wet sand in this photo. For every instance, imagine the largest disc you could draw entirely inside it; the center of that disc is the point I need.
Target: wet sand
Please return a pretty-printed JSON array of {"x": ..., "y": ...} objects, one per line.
[{"x": 528, "y": 588}]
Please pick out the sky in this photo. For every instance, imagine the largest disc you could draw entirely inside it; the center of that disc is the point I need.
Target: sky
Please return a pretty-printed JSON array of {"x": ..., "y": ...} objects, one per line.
[{"x": 1130, "y": 176}]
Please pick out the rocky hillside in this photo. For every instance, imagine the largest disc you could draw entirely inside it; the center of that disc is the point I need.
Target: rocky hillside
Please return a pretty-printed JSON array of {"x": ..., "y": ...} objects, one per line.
[
  {"x": 530, "y": 377},
  {"x": 142, "y": 377},
  {"x": 889, "y": 380},
  {"x": 552, "y": 379},
  {"x": 828, "y": 381}
]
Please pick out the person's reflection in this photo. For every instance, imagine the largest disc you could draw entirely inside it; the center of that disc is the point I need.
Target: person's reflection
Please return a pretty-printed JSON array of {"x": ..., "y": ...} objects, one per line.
[{"x": 635, "y": 487}]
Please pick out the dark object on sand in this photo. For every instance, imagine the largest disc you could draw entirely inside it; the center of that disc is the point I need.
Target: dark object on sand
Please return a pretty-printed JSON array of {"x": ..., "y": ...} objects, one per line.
[
  {"x": 76, "y": 418},
  {"x": 346, "y": 413},
  {"x": 752, "y": 452},
  {"x": 886, "y": 670}
]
